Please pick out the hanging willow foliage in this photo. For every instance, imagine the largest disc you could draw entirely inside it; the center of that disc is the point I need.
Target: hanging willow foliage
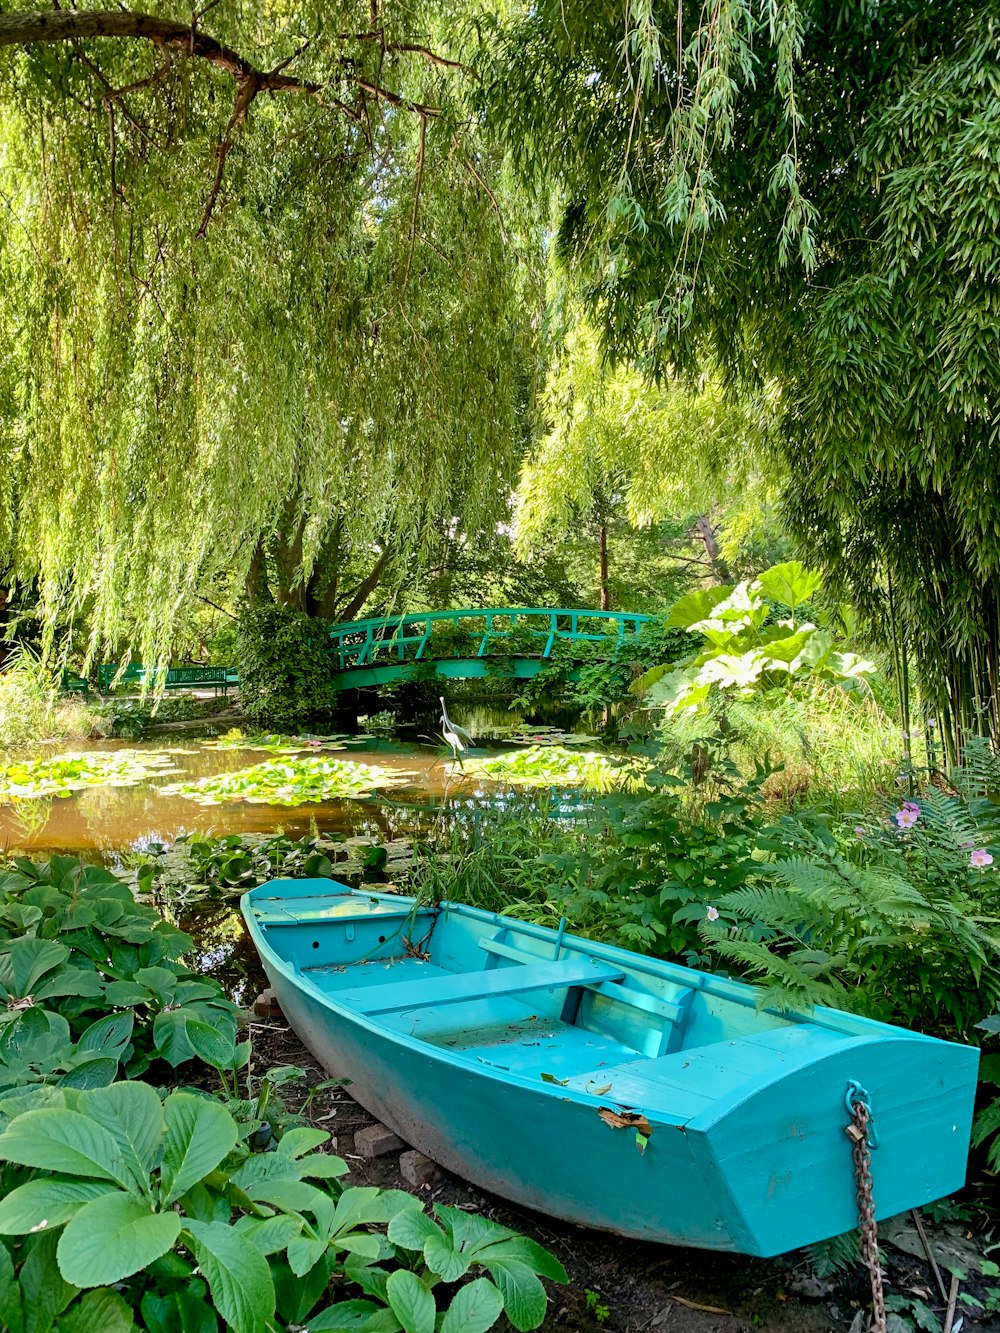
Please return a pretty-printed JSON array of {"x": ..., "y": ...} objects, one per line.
[
  {"x": 254, "y": 272},
  {"x": 804, "y": 193}
]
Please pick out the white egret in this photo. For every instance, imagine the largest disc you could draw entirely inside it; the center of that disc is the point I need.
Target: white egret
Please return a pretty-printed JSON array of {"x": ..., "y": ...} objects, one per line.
[{"x": 455, "y": 736}]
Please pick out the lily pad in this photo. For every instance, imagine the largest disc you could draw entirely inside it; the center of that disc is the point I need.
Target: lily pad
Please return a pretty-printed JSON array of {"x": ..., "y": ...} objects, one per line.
[
  {"x": 64, "y": 774},
  {"x": 555, "y": 766},
  {"x": 288, "y": 782}
]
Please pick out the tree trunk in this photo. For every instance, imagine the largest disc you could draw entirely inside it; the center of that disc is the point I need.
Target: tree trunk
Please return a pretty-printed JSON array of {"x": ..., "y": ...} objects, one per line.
[
  {"x": 605, "y": 600},
  {"x": 365, "y": 588},
  {"x": 256, "y": 587},
  {"x": 720, "y": 570}
]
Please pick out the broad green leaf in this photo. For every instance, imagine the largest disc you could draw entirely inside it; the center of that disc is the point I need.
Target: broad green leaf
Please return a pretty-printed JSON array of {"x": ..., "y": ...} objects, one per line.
[
  {"x": 269, "y": 1234},
  {"x": 178, "y": 1312},
  {"x": 411, "y": 1302},
  {"x": 475, "y": 1308},
  {"x": 101, "y": 1310},
  {"x": 64, "y": 1141},
  {"x": 27, "y": 962},
  {"x": 344, "y": 1315},
  {"x": 305, "y": 1251},
  {"x": 98, "y": 1072},
  {"x": 107, "y": 1034},
  {"x": 322, "y": 1166},
  {"x": 444, "y": 1259},
  {"x": 237, "y": 1274},
  {"x": 790, "y": 584},
  {"x": 412, "y": 1228},
  {"x": 44, "y": 1291},
  {"x": 133, "y": 1115},
  {"x": 300, "y": 1140},
  {"x": 524, "y": 1250},
  {"x": 170, "y": 1036},
  {"x": 10, "y": 1295},
  {"x": 524, "y": 1299},
  {"x": 210, "y": 1045},
  {"x": 46, "y": 1203},
  {"x": 112, "y": 1237},
  {"x": 200, "y": 1134},
  {"x": 356, "y": 1207},
  {"x": 695, "y": 606}
]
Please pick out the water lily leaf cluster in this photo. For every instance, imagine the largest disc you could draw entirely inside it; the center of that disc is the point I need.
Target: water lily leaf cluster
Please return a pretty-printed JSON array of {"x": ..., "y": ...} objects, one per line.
[
  {"x": 64, "y": 774},
  {"x": 288, "y": 782},
  {"x": 198, "y": 867},
  {"x": 748, "y": 647},
  {"x": 272, "y": 743},
  {"x": 556, "y": 766}
]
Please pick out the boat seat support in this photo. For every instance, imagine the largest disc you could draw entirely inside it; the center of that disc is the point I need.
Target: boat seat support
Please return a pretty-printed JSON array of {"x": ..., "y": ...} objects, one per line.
[{"x": 465, "y": 986}]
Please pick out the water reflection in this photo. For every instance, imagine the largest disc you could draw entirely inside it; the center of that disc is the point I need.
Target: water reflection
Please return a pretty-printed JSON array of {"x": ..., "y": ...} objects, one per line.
[{"x": 112, "y": 824}]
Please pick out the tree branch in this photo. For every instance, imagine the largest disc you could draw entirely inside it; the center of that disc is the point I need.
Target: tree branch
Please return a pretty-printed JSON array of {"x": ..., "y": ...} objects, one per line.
[{"x": 184, "y": 40}]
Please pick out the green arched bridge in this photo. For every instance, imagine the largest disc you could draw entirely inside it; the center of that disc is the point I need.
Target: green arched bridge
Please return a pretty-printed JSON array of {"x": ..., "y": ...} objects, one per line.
[{"x": 462, "y": 644}]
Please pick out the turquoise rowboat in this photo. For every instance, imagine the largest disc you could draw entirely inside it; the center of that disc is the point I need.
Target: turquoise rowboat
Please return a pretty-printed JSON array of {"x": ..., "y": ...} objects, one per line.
[{"x": 608, "y": 1089}]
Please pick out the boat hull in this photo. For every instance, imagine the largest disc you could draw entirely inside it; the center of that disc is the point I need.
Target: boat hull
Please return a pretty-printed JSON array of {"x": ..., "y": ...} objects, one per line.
[{"x": 731, "y": 1161}]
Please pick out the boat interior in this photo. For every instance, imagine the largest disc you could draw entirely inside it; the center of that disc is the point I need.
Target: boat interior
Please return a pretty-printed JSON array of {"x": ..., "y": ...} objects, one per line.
[{"x": 528, "y": 1002}]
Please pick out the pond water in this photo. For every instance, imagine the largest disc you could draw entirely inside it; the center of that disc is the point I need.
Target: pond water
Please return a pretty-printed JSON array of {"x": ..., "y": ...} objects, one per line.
[
  {"x": 103, "y": 822},
  {"x": 106, "y": 823}
]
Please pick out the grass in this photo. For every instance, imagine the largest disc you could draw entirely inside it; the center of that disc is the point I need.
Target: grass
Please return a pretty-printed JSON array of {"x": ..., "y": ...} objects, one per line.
[{"x": 32, "y": 709}]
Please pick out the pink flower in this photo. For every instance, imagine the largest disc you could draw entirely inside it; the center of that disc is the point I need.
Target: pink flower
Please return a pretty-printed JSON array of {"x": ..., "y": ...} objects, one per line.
[
  {"x": 906, "y": 818},
  {"x": 980, "y": 858},
  {"x": 859, "y": 832},
  {"x": 911, "y": 805},
  {"x": 713, "y": 912}
]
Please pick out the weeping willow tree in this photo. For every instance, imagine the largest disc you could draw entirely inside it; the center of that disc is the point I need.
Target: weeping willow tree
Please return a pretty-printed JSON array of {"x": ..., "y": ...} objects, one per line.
[
  {"x": 266, "y": 304},
  {"x": 804, "y": 193},
  {"x": 612, "y": 444}
]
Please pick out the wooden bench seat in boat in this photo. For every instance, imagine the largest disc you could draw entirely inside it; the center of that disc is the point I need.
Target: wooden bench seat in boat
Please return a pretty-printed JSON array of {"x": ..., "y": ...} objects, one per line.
[
  {"x": 673, "y": 1010},
  {"x": 464, "y": 986}
]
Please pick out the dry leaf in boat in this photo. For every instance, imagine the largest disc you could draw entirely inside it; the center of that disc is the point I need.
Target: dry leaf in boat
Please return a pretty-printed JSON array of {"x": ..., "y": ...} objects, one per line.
[
  {"x": 551, "y": 1078},
  {"x": 625, "y": 1120}
]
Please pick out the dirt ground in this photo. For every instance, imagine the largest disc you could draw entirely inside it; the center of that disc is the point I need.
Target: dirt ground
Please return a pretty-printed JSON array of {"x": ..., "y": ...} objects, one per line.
[{"x": 625, "y": 1286}]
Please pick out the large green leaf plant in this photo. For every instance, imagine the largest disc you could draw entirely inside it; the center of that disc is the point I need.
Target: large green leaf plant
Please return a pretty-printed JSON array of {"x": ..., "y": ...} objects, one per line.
[
  {"x": 121, "y": 1211},
  {"x": 92, "y": 983},
  {"x": 754, "y": 641}
]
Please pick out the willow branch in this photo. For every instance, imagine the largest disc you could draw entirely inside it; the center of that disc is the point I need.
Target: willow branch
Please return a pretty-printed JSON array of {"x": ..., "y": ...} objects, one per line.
[
  {"x": 184, "y": 40},
  {"x": 416, "y": 197}
]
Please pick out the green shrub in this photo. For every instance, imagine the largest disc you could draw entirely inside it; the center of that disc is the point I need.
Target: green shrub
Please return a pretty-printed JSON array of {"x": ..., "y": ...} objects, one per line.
[
  {"x": 285, "y": 668},
  {"x": 130, "y": 719}
]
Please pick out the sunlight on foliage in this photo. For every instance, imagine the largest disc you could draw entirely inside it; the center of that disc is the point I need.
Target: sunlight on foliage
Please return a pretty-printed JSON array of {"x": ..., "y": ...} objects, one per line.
[
  {"x": 67, "y": 773},
  {"x": 289, "y": 782},
  {"x": 554, "y": 766}
]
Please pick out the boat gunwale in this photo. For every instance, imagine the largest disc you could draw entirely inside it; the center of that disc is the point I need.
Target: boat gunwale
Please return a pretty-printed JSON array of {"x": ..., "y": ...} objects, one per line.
[{"x": 857, "y": 1031}]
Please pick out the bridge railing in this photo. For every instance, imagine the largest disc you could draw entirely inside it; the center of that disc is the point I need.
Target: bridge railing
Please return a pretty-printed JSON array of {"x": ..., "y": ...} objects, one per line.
[{"x": 510, "y": 631}]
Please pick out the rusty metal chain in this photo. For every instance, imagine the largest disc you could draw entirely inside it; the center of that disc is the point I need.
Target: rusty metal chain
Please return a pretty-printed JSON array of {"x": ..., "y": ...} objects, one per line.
[{"x": 861, "y": 1131}]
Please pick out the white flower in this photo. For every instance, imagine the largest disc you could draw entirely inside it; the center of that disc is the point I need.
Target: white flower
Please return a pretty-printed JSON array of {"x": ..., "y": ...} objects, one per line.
[{"x": 712, "y": 914}]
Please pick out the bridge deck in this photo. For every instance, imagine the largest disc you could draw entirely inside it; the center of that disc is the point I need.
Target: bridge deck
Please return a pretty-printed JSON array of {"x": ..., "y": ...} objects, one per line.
[{"x": 377, "y": 651}]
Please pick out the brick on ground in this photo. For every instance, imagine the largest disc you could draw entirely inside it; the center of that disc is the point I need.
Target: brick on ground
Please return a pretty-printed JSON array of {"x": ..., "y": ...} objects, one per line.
[
  {"x": 418, "y": 1170},
  {"x": 377, "y": 1141}
]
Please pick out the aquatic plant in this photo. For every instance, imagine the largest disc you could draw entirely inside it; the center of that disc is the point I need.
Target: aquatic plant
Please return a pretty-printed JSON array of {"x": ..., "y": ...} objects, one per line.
[
  {"x": 196, "y": 867},
  {"x": 63, "y": 774},
  {"x": 288, "y": 782},
  {"x": 273, "y": 743},
  {"x": 554, "y": 766},
  {"x": 118, "y": 1203}
]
